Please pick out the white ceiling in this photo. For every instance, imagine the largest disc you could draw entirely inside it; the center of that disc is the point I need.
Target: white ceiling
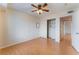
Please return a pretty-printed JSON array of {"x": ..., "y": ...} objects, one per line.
[{"x": 53, "y": 7}]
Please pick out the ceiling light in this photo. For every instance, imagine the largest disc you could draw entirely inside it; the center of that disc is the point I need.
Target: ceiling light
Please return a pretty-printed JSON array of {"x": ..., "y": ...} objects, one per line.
[
  {"x": 40, "y": 8},
  {"x": 39, "y": 11}
]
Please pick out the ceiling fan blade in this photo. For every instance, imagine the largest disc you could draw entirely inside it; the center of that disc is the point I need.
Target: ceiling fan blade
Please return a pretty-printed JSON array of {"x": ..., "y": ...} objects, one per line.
[
  {"x": 45, "y": 4},
  {"x": 34, "y": 5},
  {"x": 34, "y": 10},
  {"x": 45, "y": 10},
  {"x": 39, "y": 6}
]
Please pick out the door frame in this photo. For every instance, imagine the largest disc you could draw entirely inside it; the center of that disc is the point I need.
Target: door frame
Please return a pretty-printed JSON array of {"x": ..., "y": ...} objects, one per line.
[{"x": 61, "y": 18}]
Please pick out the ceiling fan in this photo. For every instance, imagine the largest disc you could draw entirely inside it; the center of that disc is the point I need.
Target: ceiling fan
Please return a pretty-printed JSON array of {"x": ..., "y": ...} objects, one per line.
[{"x": 40, "y": 8}]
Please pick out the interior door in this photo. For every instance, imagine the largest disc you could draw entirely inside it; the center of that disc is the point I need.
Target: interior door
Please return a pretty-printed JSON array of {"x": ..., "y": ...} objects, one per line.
[{"x": 51, "y": 28}]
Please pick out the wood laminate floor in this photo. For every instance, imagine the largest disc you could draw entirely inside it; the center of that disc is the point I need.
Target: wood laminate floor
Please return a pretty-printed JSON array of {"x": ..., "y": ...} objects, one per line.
[{"x": 40, "y": 46}]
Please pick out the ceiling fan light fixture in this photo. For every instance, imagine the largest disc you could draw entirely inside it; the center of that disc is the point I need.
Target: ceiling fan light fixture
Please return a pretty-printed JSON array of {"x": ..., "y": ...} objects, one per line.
[
  {"x": 39, "y": 11},
  {"x": 40, "y": 8}
]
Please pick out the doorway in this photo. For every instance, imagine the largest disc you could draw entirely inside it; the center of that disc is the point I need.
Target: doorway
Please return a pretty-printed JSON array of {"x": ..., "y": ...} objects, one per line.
[
  {"x": 65, "y": 28},
  {"x": 51, "y": 28}
]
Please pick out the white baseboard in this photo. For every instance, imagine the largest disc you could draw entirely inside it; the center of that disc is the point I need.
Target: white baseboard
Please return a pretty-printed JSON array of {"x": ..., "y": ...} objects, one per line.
[
  {"x": 18, "y": 42},
  {"x": 14, "y": 43},
  {"x": 75, "y": 48}
]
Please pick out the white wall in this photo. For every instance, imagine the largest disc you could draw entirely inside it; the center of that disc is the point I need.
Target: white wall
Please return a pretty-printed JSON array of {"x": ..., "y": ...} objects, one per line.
[
  {"x": 21, "y": 27},
  {"x": 75, "y": 30}
]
